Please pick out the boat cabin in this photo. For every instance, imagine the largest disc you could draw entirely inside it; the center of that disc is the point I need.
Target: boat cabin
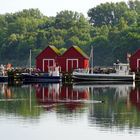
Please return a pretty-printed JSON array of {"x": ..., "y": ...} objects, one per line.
[
  {"x": 121, "y": 68},
  {"x": 53, "y": 71}
]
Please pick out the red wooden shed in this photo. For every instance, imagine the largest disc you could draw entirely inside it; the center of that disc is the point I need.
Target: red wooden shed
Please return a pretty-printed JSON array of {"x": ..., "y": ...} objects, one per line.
[
  {"x": 47, "y": 58},
  {"x": 72, "y": 59},
  {"x": 134, "y": 61}
]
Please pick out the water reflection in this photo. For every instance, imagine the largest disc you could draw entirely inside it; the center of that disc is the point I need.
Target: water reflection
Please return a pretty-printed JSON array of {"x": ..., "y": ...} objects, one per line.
[
  {"x": 119, "y": 109},
  {"x": 18, "y": 100},
  {"x": 50, "y": 96},
  {"x": 106, "y": 106}
]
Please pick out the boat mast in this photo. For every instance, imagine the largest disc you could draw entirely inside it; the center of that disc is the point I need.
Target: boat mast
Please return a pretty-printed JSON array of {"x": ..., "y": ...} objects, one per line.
[
  {"x": 91, "y": 59},
  {"x": 30, "y": 60}
]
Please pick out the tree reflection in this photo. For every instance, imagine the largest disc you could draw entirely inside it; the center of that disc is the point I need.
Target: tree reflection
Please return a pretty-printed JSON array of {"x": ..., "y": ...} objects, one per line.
[
  {"x": 120, "y": 106},
  {"x": 16, "y": 100}
]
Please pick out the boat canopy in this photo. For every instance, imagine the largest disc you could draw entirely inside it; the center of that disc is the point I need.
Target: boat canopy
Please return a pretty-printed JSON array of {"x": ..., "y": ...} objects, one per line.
[{"x": 122, "y": 68}]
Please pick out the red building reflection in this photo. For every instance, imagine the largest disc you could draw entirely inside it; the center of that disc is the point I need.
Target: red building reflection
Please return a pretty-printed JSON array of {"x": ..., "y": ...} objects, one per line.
[
  {"x": 53, "y": 95},
  {"x": 135, "y": 97}
]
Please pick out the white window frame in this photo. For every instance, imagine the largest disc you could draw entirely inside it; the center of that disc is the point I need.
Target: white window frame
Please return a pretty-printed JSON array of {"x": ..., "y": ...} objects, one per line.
[
  {"x": 48, "y": 62},
  {"x": 67, "y": 62},
  {"x": 138, "y": 60}
]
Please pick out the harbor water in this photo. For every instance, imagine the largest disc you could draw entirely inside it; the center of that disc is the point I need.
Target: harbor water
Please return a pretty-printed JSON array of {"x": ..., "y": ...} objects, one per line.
[{"x": 70, "y": 111}]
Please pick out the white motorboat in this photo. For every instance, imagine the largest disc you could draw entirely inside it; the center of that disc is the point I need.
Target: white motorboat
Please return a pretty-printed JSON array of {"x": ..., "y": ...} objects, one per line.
[{"x": 121, "y": 74}]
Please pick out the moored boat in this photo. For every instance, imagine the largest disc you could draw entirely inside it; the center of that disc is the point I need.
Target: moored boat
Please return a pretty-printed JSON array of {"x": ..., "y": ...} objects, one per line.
[
  {"x": 3, "y": 74},
  {"x": 3, "y": 78},
  {"x": 53, "y": 76},
  {"x": 121, "y": 74}
]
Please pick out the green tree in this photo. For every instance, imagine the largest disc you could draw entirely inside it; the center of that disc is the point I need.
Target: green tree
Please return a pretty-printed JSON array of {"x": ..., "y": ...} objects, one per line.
[
  {"x": 122, "y": 24},
  {"x": 107, "y": 14}
]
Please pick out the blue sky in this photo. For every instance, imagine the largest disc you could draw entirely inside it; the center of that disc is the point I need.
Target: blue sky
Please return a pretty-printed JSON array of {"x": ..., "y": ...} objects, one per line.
[{"x": 50, "y": 7}]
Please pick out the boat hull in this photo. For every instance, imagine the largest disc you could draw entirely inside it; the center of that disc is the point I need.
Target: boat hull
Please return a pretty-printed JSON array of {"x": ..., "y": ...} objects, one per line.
[
  {"x": 102, "y": 77},
  {"x": 3, "y": 78},
  {"x": 40, "y": 79}
]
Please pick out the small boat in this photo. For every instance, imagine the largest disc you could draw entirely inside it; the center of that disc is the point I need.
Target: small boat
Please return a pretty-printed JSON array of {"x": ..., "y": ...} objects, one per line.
[
  {"x": 53, "y": 76},
  {"x": 3, "y": 76},
  {"x": 121, "y": 75}
]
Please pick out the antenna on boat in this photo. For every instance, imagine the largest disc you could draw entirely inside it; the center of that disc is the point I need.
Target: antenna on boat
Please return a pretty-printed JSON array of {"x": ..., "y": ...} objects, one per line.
[
  {"x": 30, "y": 60},
  {"x": 91, "y": 57}
]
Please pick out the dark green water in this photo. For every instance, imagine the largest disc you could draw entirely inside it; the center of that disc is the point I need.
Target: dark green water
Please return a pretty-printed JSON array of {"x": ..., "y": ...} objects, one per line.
[{"x": 69, "y": 112}]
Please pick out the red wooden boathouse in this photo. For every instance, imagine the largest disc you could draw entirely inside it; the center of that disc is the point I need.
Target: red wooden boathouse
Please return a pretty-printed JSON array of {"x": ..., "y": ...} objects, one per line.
[
  {"x": 134, "y": 61},
  {"x": 47, "y": 58},
  {"x": 72, "y": 59}
]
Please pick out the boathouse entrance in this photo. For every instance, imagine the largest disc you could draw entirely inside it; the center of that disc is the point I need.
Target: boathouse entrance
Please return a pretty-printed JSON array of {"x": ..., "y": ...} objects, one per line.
[
  {"x": 138, "y": 65},
  {"x": 48, "y": 63},
  {"x": 71, "y": 64}
]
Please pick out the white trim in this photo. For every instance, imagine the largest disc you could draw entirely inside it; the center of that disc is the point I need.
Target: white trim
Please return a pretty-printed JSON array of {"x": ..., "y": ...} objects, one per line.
[
  {"x": 138, "y": 66},
  {"x": 138, "y": 98},
  {"x": 67, "y": 62},
  {"x": 60, "y": 68},
  {"x": 67, "y": 93},
  {"x": 43, "y": 96},
  {"x": 48, "y": 62}
]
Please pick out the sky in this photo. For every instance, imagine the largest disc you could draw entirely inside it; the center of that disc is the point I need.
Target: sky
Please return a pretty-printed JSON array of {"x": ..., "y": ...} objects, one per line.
[{"x": 50, "y": 7}]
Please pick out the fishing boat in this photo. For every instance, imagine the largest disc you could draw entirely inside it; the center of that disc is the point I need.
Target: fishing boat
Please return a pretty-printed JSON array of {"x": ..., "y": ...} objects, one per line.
[
  {"x": 121, "y": 74},
  {"x": 52, "y": 76},
  {"x": 3, "y": 76}
]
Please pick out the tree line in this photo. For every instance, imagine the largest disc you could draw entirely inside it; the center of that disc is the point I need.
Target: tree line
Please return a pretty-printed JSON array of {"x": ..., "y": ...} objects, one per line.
[{"x": 113, "y": 29}]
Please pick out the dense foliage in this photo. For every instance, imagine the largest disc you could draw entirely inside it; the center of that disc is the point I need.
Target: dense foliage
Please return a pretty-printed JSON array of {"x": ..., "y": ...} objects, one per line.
[{"x": 113, "y": 29}]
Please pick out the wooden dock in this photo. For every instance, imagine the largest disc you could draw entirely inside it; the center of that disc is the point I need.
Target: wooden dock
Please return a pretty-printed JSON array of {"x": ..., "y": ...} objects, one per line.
[{"x": 16, "y": 78}]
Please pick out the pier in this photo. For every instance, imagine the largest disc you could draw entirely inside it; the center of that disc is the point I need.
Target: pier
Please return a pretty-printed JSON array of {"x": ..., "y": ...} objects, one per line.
[{"x": 17, "y": 77}]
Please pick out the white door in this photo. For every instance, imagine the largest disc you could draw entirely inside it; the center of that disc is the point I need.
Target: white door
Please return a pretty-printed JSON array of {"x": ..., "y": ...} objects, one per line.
[
  {"x": 138, "y": 65},
  {"x": 48, "y": 63},
  {"x": 71, "y": 64}
]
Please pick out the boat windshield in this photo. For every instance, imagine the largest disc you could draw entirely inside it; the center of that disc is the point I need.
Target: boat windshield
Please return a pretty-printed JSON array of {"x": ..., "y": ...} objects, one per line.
[
  {"x": 82, "y": 70},
  {"x": 122, "y": 68}
]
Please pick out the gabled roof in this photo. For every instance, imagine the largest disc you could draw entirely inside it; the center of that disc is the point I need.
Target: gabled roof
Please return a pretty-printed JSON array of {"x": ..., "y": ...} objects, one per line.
[
  {"x": 80, "y": 51},
  {"x": 53, "y": 48},
  {"x": 135, "y": 53}
]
